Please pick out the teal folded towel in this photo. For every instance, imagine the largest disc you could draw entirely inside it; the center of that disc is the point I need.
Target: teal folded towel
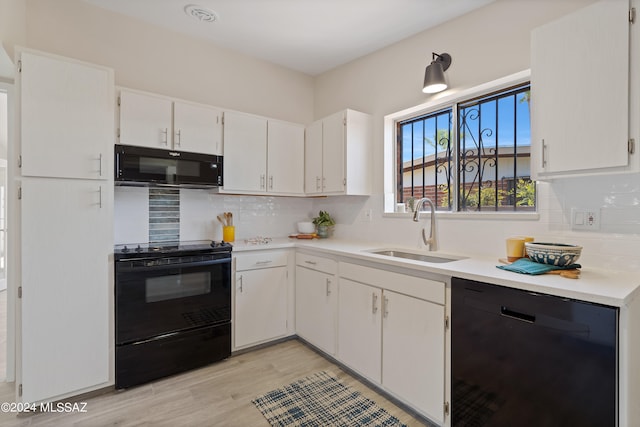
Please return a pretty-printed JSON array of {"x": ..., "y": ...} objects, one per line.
[{"x": 526, "y": 266}]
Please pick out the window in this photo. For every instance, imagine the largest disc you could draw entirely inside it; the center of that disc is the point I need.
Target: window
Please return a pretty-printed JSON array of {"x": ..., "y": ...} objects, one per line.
[{"x": 471, "y": 154}]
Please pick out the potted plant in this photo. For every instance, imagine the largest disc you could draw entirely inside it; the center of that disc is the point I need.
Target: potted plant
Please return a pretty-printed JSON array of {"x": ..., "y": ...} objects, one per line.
[{"x": 323, "y": 222}]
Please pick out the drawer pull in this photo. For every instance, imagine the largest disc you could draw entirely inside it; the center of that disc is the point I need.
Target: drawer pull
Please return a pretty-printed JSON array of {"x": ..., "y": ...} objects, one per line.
[
  {"x": 310, "y": 262},
  {"x": 263, "y": 262}
]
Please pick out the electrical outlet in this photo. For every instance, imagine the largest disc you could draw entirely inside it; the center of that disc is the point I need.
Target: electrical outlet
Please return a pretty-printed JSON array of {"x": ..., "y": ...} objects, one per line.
[
  {"x": 367, "y": 215},
  {"x": 585, "y": 219}
]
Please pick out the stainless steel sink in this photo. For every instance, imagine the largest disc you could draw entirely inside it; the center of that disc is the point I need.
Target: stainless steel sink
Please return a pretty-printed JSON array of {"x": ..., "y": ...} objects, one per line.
[{"x": 413, "y": 256}]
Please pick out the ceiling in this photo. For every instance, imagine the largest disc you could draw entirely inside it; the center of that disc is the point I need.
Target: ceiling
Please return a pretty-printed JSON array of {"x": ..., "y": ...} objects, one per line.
[{"x": 311, "y": 36}]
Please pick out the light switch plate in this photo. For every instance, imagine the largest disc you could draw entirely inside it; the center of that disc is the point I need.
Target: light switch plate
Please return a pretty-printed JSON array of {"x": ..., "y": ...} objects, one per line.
[{"x": 585, "y": 219}]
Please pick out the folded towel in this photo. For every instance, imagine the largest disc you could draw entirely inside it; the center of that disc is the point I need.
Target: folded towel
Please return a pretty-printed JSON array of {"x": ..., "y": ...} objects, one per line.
[{"x": 526, "y": 266}]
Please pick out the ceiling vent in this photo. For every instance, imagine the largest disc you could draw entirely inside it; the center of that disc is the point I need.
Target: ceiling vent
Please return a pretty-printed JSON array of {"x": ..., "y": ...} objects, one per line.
[{"x": 201, "y": 13}]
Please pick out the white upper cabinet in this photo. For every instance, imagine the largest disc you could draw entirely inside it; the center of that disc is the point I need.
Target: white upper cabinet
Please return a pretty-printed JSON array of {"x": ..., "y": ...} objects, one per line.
[
  {"x": 145, "y": 120},
  {"x": 262, "y": 155},
  {"x": 67, "y": 118},
  {"x": 580, "y": 92},
  {"x": 338, "y": 155},
  {"x": 285, "y": 158},
  {"x": 158, "y": 122},
  {"x": 197, "y": 128},
  {"x": 245, "y": 152},
  {"x": 313, "y": 159}
]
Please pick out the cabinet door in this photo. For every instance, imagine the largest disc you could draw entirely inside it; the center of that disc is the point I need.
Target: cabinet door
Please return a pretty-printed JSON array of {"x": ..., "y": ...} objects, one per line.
[
  {"x": 260, "y": 305},
  {"x": 413, "y": 352},
  {"x": 197, "y": 128},
  {"x": 145, "y": 120},
  {"x": 66, "y": 239},
  {"x": 360, "y": 328},
  {"x": 245, "y": 152},
  {"x": 66, "y": 117},
  {"x": 333, "y": 177},
  {"x": 580, "y": 90},
  {"x": 313, "y": 158},
  {"x": 285, "y": 158},
  {"x": 316, "y": 303}
]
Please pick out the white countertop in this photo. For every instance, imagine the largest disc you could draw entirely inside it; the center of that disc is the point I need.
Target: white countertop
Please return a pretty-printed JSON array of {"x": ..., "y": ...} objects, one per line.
[{"x": 614, "y": 288}]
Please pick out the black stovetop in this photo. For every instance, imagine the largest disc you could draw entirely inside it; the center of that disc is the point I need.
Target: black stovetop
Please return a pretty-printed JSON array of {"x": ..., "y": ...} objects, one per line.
[{"x": 171, "y": 248}]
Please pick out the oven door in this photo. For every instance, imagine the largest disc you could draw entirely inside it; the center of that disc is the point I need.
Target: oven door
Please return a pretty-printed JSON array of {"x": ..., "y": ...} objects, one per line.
[{"x": 159, "y": 296}]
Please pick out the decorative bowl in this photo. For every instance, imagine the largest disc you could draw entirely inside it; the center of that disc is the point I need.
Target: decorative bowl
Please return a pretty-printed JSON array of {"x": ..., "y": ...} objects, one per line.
[
  {"x": 558, "y": 254},
  {"x": 306, "y": 227}
]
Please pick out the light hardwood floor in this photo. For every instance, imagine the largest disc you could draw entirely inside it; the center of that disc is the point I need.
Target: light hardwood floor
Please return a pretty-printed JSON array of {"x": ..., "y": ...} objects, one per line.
[{"x": 216, "y": 395}]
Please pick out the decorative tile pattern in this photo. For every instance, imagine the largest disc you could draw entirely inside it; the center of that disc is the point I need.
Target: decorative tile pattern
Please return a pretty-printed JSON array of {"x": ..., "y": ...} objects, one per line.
[
  {"x": 164, "y": 215},
  {"x": 321, "y": 400}
]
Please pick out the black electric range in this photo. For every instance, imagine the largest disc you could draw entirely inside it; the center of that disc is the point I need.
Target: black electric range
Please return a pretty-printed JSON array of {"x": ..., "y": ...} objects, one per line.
[{"x": 172, "y": 308}]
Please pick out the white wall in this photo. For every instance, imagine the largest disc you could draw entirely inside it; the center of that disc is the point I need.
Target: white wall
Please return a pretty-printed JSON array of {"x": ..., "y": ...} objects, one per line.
[
  {"x": 486, "y": 44},
  {"x": 153, "y": 59}
]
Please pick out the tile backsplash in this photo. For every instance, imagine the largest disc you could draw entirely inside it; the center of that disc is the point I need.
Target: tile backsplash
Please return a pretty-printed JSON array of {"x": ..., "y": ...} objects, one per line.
[
  {"x": 254, "y": 216},
  {"x": 164, "y": 215}
]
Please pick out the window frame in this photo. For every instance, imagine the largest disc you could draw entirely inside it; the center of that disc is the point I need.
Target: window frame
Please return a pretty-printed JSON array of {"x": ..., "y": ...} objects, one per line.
[{"x": 436, "y": 103}]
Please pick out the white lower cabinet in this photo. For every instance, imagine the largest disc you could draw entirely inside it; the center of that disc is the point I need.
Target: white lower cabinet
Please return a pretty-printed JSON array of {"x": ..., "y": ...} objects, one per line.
[
  {"x": 316, "y": 301},
  {"x": 65, "y": 300},
  {"x": 391, "y": 329},
  {"x": 260, "y": 309},
  {"x": 413, "y": 352},
  {"x": 359, "y": 328}
]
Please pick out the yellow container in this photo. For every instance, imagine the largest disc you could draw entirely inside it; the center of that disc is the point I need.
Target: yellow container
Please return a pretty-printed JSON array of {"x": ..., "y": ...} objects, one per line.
[{"x": 229, "y": 233}]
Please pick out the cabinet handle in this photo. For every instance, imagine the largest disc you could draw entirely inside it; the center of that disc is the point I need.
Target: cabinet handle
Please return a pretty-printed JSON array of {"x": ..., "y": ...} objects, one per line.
[
  {"x": 544, "y": 157},
  {"x": 100, "y": 197},
  {"x": 271, "y": 182},
  {"x": 385, "y": 307},
  {"x": 178, "y": 135},
  {"x": 165, "y": 133},
  {"x": 262, "y": 183},
  {"x": 263, "y": 262},
  {"x": 240, "y": 280},
  {"x": 100, "y": 165},
  {"x": 310, "y": 262},
  {"x": 318, "y": 183},
  {"x": 328, "y": 287},
  {"x": 374, "y": 308},
  {"x": 324, "y": 183}
]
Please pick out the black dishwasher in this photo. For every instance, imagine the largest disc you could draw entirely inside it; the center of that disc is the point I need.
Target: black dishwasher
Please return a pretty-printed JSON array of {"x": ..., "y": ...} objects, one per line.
[{"x": 520, "y": 358}]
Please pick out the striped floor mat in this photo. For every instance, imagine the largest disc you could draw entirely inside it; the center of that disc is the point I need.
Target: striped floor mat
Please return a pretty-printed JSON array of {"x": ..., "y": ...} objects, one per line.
[{"x": 321, "y": 400}]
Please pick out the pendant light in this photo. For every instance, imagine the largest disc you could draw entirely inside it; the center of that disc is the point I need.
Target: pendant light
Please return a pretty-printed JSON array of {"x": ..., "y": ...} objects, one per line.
[{"x": 434, "y": 79}]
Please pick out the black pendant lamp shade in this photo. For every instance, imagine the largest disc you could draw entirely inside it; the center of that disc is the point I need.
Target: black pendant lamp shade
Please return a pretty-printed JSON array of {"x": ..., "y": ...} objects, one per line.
[{"x": 434, "y": 79}]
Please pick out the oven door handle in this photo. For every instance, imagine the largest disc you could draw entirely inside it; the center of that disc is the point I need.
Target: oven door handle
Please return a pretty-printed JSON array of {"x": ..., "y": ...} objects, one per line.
[{"x": 131, "y": 266}]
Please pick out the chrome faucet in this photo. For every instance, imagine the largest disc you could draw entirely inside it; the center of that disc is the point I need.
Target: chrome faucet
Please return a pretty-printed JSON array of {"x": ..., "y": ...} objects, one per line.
[{"x": 431, "y": 241}]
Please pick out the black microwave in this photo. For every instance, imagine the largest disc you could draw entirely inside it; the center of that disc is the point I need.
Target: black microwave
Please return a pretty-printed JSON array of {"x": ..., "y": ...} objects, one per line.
[{"x": 153, "y": 166}]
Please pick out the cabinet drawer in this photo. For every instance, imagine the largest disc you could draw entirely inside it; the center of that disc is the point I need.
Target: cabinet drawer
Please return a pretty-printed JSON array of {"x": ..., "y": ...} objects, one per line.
[
  {"x": 313, "y": 262},
  {"x": 418, "y": 287},
  {"x": 261, "y": 259}
]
